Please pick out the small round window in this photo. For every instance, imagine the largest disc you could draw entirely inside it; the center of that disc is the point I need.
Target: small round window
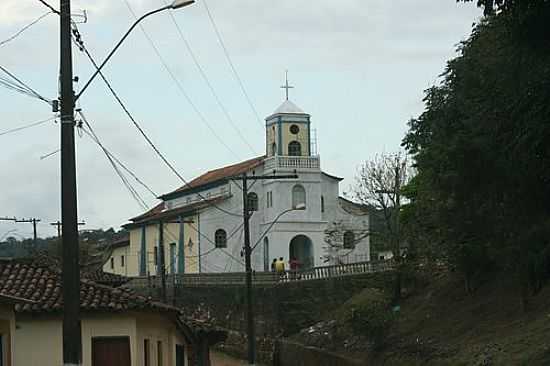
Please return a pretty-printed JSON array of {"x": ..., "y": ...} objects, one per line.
[{"x": 294, "y": 129}]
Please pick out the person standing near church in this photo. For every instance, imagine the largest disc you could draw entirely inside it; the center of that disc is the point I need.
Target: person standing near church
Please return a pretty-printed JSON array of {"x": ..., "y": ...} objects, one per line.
[
  {"x": 280, "y": 267},
  {"x": 273, "y": 265}
]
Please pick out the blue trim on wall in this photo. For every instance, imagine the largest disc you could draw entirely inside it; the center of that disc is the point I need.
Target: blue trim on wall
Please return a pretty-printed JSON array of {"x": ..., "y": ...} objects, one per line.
[
  {"x": 308, "y": 136},
  {"x": 143, "y": 253},
  {"x": 280, "y": 140},
  {"x": 181, "y": 247},
  {"x": 199, "y": 239}
]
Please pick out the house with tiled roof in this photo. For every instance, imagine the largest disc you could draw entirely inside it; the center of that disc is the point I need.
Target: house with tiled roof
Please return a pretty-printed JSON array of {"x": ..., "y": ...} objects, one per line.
[
  {"x": 7, "y": 327},
  {"x": 118, "y": 326},
  {"x": 202, "y": 221}
]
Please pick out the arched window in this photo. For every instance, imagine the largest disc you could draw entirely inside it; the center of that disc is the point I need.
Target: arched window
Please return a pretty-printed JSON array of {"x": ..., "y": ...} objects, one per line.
[
  {"x": 220, "y": 237},
  {"x": 298, "y": 195},
  {"x": 274, "y": 149},
  {"x": 349, "y": 240},
  {"x": 252, "y": 201},
  {"x": 294, "y": 149},
  {"x": 322, "y": 203}
]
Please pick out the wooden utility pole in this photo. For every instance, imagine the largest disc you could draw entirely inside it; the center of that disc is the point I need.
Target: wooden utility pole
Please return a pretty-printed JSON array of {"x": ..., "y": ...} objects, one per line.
[
  {"x": 251, "y": 332},
  {"x": 58, "y": 224},
  {"x": 72, "y": 343},
  {"x": 34, "y": 221}
]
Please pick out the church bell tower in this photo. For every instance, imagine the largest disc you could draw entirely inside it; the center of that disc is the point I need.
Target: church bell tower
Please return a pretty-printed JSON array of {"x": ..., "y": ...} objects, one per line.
[{"x": 288, "y": 131}]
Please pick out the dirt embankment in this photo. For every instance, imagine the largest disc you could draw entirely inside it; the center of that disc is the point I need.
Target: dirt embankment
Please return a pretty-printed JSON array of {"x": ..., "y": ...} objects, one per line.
[{"x": 440, "y": 324}]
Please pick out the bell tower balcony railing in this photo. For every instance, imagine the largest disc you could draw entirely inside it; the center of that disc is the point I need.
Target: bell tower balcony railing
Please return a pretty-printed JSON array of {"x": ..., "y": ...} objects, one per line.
[{"x": 292, "y": 162}]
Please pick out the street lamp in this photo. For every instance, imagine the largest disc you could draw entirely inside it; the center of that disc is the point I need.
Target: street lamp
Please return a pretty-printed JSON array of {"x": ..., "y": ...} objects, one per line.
[
  {"x": 70, "y": 273},
  {"x": 177, "y": 4},
  {"x": 298, "y": 207}
]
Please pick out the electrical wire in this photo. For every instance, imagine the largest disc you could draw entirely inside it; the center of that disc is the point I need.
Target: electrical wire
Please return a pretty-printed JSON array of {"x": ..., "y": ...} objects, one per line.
[
  {"x": 24, "y": 86},
  {"x": 50, "y": 7},
  {"x": 228, "y": 58},
  {"x": 213, "y": 243},
  {"x": 83, "y": 48},
  {"x": 49, "y": 154},
  {"x": 178, "y": 84},
  {"x": 127, "y": 184},
  {"x": 11, "y": 38},
  {"x": 38, "y": 123},
  {"x": 121, "y": 164},
  {"x": 207, "y": 81}
]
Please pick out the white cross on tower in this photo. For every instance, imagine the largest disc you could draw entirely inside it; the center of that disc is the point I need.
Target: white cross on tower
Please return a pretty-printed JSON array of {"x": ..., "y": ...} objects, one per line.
[{"x": 286, "y": 86}]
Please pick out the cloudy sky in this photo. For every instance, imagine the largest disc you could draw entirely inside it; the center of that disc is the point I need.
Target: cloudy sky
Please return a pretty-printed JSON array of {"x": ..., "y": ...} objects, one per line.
[{"x": 359, "y": 67}]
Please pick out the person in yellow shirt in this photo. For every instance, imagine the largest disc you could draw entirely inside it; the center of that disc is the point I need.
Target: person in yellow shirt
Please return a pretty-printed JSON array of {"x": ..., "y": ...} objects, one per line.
[{"x": 280, "y": 267}]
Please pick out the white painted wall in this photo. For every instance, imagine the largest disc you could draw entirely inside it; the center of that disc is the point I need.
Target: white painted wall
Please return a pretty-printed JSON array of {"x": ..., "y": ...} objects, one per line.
[{"x": 310, "y": 222}]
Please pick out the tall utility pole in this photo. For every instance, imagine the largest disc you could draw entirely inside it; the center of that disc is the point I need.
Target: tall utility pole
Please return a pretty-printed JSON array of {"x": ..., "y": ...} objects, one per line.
[
  {"x": 34, "y": 221},
  {"x": 251, "y": 332},
  {"x": 72, "y": 343},
  {"x": 58, "y": 225}
]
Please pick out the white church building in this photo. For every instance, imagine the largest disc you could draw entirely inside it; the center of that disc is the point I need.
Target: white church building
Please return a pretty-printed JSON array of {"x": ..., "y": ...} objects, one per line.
[{"x": 202, "y": 222}]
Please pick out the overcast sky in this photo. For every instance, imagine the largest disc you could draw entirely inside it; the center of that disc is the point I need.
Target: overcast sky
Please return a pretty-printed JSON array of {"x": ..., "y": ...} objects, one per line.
[{"x": 359, "y": 68}]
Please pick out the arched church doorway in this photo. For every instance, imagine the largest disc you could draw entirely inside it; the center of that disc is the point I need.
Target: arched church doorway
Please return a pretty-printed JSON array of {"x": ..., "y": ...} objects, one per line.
[{"x": 301, "y": 248}]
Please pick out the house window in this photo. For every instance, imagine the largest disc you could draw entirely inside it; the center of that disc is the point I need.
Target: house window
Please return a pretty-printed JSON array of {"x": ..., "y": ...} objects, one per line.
[
  {"x": 294, "y": 149},
  {"x": 160, "y": 360},
  {"x": 220, "y": 238},
  {"x": 146, "y": 355},
  {"x": 112, "y": 263},
  {"x": 298, "y": 195},
  {"x": 122, "y": 261},
  {"x": 156, "y": 256},
  {"x": 269, "y": 199},
  {"x": 349, "y": 240},
  {"x": 274, "y": 149},
  {"x": 252, "y": 201},
  {"x": 322, "y": 204}
]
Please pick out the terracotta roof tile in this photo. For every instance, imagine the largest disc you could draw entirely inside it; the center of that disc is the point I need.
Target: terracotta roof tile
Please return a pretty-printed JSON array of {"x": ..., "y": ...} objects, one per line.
[
  {"x": 158, "y": 212},
  {"x": 43, "y": 286},
  {"x": 220, "y": 173}
]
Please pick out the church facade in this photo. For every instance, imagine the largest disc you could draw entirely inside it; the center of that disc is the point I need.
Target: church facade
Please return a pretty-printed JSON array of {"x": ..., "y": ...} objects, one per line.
[{"x": 201, "y": 223}]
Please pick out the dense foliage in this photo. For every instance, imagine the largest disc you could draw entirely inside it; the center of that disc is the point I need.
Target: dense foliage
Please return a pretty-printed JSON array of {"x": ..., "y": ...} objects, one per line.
[{"x": 481, "y": 199}]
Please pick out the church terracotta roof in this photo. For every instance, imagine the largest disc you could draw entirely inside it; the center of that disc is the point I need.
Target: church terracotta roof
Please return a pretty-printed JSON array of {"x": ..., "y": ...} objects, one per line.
[
  {"x": 219, "y": 174},
  {"x": 27, "y": 280},
  {"x": 158, "y": 212}
]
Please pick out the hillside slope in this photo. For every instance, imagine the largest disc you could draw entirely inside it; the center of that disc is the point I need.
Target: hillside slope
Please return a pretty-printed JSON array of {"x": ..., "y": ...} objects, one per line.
[{"x": 439, "y": 324}]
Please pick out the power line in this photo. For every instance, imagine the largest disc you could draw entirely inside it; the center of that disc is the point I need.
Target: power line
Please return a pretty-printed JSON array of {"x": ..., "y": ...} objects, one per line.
[
  {"x": 228, "y": 58},
  {"x": 27, "y": 126},
  {"x": 127, "y": 184},
  {"x": 207, "y": 81},
  {"x": 213, "y": 243},
  {"x": 178, "y": 84},
  {"x": 50, "y": 7},
  {"x": 24, "y": 86},
  {"x": 2, "y": 43},
  {"x": 149, "y": 141},
  {"x": 122, "y": 165},
  {"x": 50, "y": 154}
]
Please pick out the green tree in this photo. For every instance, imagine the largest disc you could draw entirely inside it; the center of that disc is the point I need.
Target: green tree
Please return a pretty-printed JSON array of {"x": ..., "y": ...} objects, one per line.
[{"x": 482, "y": 148}]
